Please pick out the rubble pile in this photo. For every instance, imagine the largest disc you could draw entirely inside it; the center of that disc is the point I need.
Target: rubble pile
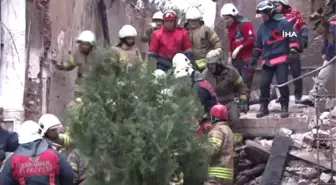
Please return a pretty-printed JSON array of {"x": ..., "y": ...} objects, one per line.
[{"x": 311, "y": 158}]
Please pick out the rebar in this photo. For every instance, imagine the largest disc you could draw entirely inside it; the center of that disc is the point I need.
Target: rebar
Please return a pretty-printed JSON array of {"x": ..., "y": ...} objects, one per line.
[{"x": 318, "y": 139}]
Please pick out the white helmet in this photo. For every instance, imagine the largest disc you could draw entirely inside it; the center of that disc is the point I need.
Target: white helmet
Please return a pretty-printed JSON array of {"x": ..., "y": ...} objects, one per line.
[
  {"x": 159, "y": 73},
  {"x": 127, "y": 31},
  {"x": 193, "y": 14},
  {"x": 87, "y": 36},
  {"x": 213, "y": 57},
  {"x": 229, "y": 9},
  {"x": 49, "y": 121},
  {"x": 158, "y": 16},
  {"x": 285, "y": 2},
  {"x": 29, "y": 131},
  {"x": 182, "y": 66}
]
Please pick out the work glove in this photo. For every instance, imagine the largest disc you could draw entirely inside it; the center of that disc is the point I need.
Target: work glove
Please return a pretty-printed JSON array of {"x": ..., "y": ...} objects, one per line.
[
  {"x": 293, "y": 55},
  {"x": 303, "y": 42},
  {"x": 254, "y": 63},
  {"x": 236, "y": 51},
  {"x": 243, "y": 104}
]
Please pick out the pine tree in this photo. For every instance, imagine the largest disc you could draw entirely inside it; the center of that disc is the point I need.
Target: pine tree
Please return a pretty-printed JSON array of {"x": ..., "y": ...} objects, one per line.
[{"x": 133, "y": 133}]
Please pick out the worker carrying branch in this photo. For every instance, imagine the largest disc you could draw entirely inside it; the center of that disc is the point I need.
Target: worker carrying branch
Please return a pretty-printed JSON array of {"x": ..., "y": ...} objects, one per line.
[
  {"x": 168, "y": 41},
  {"x": 51, "y": 127},
  {"x": 275, "y": 50},
  {"x": 228, "y": 85},
  {"x": 203, "y": 38},
  {"x": 86, "y": 42},
  {"x": 222, "y": 143},
  {"x": 295, "y": 18},
  {"x": 241, "y": 35}
]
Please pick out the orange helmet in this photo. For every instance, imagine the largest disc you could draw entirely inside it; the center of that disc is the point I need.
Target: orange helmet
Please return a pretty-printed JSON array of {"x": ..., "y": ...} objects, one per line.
[
  {"x": 169, "y": 15},
  {"x": 219, "y": 113}
]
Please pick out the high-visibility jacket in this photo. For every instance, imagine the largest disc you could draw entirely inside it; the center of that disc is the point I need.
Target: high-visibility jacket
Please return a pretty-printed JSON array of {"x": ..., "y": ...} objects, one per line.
[{"x": 222, "y": 142}]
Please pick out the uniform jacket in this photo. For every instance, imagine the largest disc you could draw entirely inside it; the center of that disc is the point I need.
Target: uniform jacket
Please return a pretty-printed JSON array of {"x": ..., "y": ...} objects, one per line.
[
  {"x": 130, "y": 56},
  {"x": 168, "y": 43},
  {"x": 203, "y": 39},
  {"x": 77, "y": 59},
  {"x": 271, "y": 43},
  {"x": 79, "y": 164},
  {"x": 205, "y": 92},
  {"x": 294, "y": 16},
  {"x": 222, "y": 143},
  {"x": 34, "y": 163},
  {"x": 242, "y": 33},
  {"x": 228, "y": 85},
  {"x": 147, "y": 37},
  {"x": 8, "y": 143},
  {"x": 329, "y": 46}
]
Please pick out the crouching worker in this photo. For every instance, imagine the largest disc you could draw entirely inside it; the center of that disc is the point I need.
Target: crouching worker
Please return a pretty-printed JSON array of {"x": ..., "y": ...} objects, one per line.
[
  {"x": 51, "y": 127},
  {"x": 222, "y": 148},
  {"x": 34, "y": 162},
  {"x": 228, "y": 84}
]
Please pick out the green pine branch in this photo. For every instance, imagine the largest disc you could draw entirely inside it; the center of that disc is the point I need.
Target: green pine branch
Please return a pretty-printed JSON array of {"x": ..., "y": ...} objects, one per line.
[{"x": 131, "y": 132}]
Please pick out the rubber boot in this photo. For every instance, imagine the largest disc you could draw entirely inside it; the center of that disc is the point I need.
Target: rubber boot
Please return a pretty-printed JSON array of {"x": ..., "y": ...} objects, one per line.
[
  {"x": 263, "y": 111},
  {"x": 298, "y": 99},
  {"x": 284, "y": 111}
]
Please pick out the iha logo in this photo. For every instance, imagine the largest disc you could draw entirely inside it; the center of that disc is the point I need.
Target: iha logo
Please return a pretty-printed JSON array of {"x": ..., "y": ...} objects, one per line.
[{"x": 288, "y": 34}]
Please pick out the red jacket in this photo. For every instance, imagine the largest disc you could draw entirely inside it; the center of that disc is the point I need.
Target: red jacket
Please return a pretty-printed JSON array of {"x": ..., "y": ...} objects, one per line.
[
  {"x": 242, "y": 33},
  {"x": 168, "y": 43},
  {"x": 294, "y": 16}
]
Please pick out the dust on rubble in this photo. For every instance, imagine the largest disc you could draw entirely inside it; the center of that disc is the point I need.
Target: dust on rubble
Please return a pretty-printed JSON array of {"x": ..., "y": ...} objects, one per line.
[{"x": 311, "y": 157}]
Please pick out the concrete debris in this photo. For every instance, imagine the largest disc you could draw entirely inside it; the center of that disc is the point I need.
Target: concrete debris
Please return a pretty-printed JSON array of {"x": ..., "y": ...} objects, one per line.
[{"x": 326, "y": 178}]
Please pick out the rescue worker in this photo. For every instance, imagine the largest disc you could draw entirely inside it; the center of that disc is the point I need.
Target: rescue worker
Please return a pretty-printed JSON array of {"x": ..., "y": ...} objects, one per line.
[
  {"x": 183, "y": 68},
  {"x": 157, "y": 22},
  {"x": 79, "y": 164},
  {"x": 129, "y": 53},
  {"x": 294, "y": 16},
  {"x": 222, "y": 151},
  {"x": 86, "y": 42},
  {"x": 241, "y": 37},
  {"x": 328, "y": 52},
  {"x": 51, "y": 127},
  {"x": 168, "y": 41},
  {"x": 33, "y": 162},
  {"x": 8, "y": 140},
  {"x": 203, "y": 38},
  {"x": 275, "y": 50},
  {"x": 228, "y": 84}
]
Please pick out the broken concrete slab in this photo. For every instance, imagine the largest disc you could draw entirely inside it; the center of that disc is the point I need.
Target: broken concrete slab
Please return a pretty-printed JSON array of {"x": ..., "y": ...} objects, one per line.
[
  {"x": 268, "y": 126},
  {"x": 311, "y": 157},
  {"x": 276, "y": 162}
]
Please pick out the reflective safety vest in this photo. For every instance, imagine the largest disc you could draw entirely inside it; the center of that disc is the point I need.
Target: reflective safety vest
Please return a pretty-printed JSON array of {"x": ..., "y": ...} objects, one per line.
[
  {"x": 221, "y": 173},
  {"x": 45, "y": 164}
]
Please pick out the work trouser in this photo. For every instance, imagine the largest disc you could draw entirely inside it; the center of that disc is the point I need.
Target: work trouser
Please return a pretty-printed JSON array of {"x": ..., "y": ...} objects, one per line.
[
  {"x": 322, "y": 78},
  {"x": 281, "y": 73},
  {"x": 233, "y": 111},
  {"x": 242, "y": 66},
  {"x": 295, "y": 67},
  {"x": 220, "y": 176}
]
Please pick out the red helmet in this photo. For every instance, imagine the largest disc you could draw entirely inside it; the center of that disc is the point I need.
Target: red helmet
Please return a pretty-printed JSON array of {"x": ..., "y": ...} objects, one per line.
[
  {"x": 219, "y": 113},
  {"x": 169, "y": 15}
]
